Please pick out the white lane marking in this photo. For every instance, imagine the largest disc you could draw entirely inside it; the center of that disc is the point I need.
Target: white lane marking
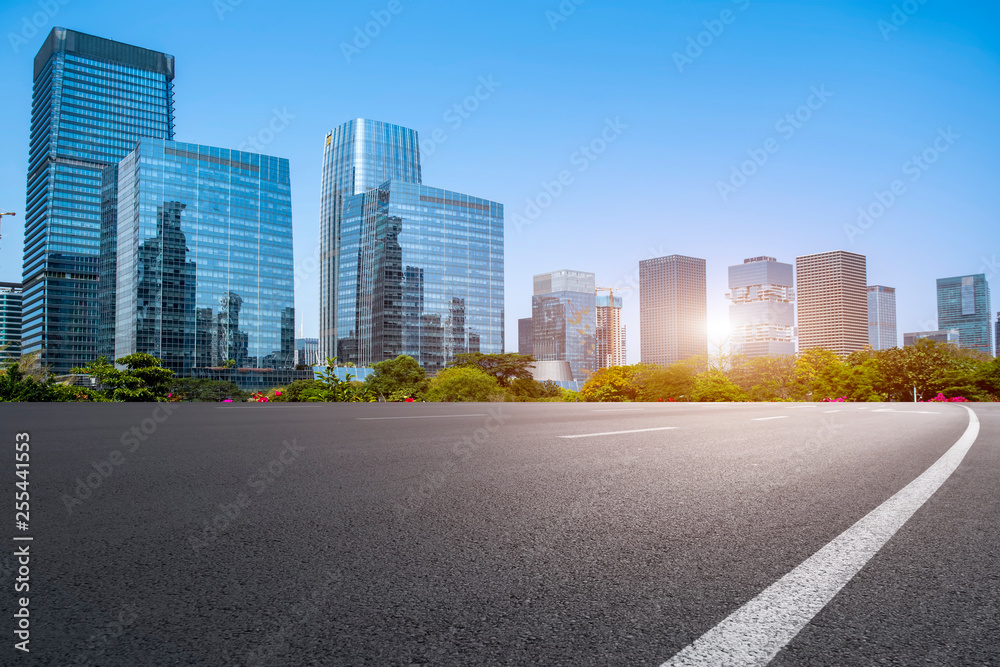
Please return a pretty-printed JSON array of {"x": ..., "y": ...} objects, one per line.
[
  {"x": 371, "y": 419},
  {"x": 908, "y": 412},
  {"x": 638, "y": 430},
  {"x": 754, "y": 633},
  {"x": 829, "y": 411},
  {"x": 764, "y": 419}
]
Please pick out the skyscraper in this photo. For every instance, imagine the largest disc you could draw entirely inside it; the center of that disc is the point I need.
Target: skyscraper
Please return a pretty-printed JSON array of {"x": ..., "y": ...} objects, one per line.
[
  {"x": 610, "y": 332},
  {"x": 359, "y": 156},
  {"x": 525, "y": 335},
  {"x": 762, "y": 312},
  {"x": 996, "y": 337},
  {"x": 882, "y": 317},
  {"x": 564, "y": 320},
  {"x": 673, "y": 309},
  {"x": 832, "y": 301},
  {"x": 93, "y": 99},
  {"x": 420, "y": 273},
  {"x": 204, "y": 258},
  {"x": 10, "y": 321},
  {"x": 963, "y": 303}
]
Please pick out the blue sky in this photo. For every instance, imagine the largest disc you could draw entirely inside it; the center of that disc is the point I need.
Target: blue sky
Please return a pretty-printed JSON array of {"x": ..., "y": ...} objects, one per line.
[{"x": 687, "y": 91}]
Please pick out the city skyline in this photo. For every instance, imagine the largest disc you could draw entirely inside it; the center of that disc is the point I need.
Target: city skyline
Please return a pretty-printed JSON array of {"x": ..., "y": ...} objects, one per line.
[{"x": 805, "y": 199}]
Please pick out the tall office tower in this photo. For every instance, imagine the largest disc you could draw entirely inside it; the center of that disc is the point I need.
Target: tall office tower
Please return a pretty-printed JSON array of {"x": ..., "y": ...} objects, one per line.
[
  {"x": 10, "y": 321},
  {"x": 673, "y": 309},
  {"x": 882, "y": 317},
  {"x": 963, "y": 303},
  {"x": 420, "y": 273},
  {"x": 762, "y": 312},
  {"x": 610, "y": 332},
  {"x": 525, "y": 333},
  {"x": 564, "y": 320},
  {"x": 359, "y": 156},
  {"x": 93, "y": 99},
  {"x": 832, "y": 301},
  {"x": 205, "y": 272}
]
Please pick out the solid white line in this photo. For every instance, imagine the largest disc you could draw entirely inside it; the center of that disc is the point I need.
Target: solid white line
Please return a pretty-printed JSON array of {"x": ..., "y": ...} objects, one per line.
[
  {"x": 370, "y": 419},
  {"x": 754, "y": 633},
  {"x": 638, "y": 430},
  {"x": 764, "y": 419},
  {"x": 829, "y": 411}
]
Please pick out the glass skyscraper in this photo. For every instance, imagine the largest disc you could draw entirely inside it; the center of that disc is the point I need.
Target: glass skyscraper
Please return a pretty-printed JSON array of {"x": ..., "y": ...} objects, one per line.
[
  {"x": 673, "y": 309},
  {"x": 564, "y": 320},
  {"x": 93, "y": 99},
  {"x": 359, "y": 156},
  {"x": 10, "y": 321},
  {"x": 963, "y": 303},
  {"x": 762, "y": 312},
  {"x": 882, "y": 317},
  {"x": 204, "y": 258},
  {"x": 420, "y": 273}
]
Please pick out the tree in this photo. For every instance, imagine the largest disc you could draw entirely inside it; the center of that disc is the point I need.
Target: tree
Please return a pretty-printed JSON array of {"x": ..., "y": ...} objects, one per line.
[
  {"x": 329, "y": 388},
  {"x": 819, "y": 374},
  {"x": 463, "y": 384},
  {"x": 714, "y": 387},
  {"x": 293, "y": 392},
  {"x": 504, "y": 367},
  {"x": 527, "y": 389},
  {"x": 612, "y": 385},
  {"x": 675, "y": 381},
  {"x": 144, "y": 378},
  {"x": 15, "y": 386},
  {"x": 399, "y": 377},
  {"x": 764, "y": 378},
  {"x": 206, "y": 390}
]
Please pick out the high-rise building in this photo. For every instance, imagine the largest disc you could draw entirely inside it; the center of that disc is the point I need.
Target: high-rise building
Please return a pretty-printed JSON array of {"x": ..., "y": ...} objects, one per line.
[
  {"x": 952, "y": 337},
  {"x": 963, "y": 303},
  {"x": 996, "y": 337},
  {"x": 359, "y": 156},
  {"x": 673, "y": 309},
  {"x": 525, "y": 333},
  {"x": 610, "y": 332},
  {"x": 10, "y": 321},
  {"x": 420, "y": 273},
  {"x": 564, "y": 320},
  {"x": 882, "y": 317},
  {"x": 307, "y": 351},
  {"x": 205, "y": 276},
  {"x": 831, "y": 290},
  {"x": 93, "y": 99},
  {"x": 762, "y": 312}
]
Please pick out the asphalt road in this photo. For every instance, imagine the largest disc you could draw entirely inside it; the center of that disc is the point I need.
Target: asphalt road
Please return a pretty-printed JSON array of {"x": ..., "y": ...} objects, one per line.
[{"x": 478, "y": 534}]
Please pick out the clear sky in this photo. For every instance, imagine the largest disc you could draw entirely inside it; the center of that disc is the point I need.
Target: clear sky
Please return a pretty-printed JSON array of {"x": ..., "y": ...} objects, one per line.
[{"x": 888, "y": 81}]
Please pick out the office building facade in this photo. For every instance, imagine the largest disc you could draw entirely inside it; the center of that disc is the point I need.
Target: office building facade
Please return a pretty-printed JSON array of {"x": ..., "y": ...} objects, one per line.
[
  {"x": 762, "y": 308},
  {"x": 963, "y": 303},
  {"x": 420, "y": 273},
  {"x": 525, "y": 334},
  {"x": 10, "y": 321},
  {"x": 832, "y": 300},
  {"x": 610, "y": 332},
  {"x": 204, "y": 259},
  {"x": 882, "y": 317},
  {"x": 92, "y": 100},
  {"x": 673, "y": 310},
  {"x": 952, "y": 337},
  {"x": 358, "y": 156},
  {"x": 564, "y": 320},
  {"x": 307, "y": 352}
]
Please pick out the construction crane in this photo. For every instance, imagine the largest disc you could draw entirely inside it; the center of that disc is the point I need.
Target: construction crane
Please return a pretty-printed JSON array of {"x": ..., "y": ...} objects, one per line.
[
  {"x": 1, "y": 219},
  {"x": 611, "y": 291}
]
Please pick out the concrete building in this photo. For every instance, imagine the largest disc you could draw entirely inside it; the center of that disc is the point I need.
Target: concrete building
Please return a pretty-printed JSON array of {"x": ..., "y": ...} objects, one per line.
[
  {"x": 564, "y": 320},
  {"x": 882, "y": 317},
  {"x": 525, "y": 335},
  {"x": 963, "y": 303},
  {"x": 610, "y": 332},
  {"x": 762, "y": 312},
  {"x": 673, "y": 309},
  {"x": 831, "y": 290}
]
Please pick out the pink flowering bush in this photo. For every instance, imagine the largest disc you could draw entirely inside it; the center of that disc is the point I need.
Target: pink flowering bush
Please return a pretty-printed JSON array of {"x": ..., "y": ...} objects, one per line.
[
  {"x": 941, "y": 399},
  {"x": 842, "y": 399},
  {"x": 259, "y": 397}
]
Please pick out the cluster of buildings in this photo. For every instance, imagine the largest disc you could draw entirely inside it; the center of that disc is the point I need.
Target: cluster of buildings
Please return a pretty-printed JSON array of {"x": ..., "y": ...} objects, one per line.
[
  {"x": 138, "y": 242},
  {"x": 823, "y": 301}
]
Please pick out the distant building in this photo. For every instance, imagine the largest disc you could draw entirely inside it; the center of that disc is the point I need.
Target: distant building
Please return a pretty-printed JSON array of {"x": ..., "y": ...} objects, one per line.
[
  {"x": 307, "y": 351},
  {"x": 963, "y": 303},
  {"x": 564, "y": 320},
  {"x": 882, "y": 317},
  {"x": 996, "y": 337},
  {"x": 762, "y": 312},
  {"x": 10, "y": 321},
  {"x": 525, "y": 332},
  {"x": 673, "y": 309},
  {"x": 610, "y": 332},
  {"x": 831, "y": 290},
  {"x": 952, "y": 337},
  {"x": 204, "y": 256}
]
